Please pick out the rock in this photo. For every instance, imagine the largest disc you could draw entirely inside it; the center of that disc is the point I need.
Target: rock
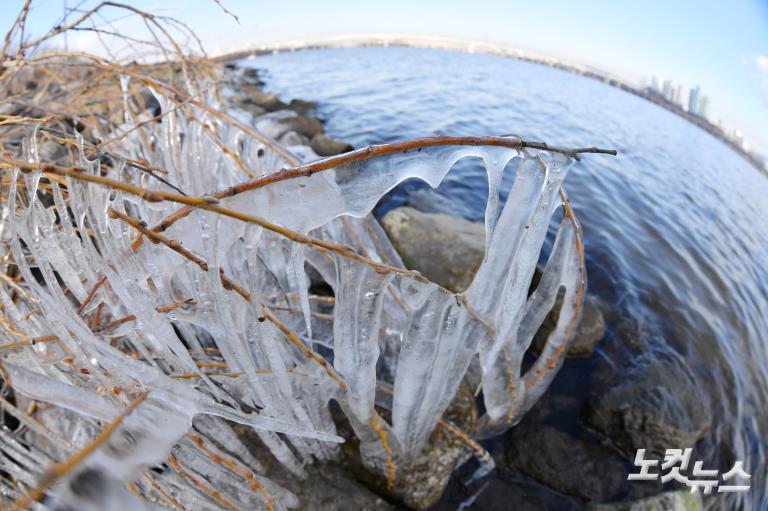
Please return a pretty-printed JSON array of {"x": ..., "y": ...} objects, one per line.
[
  {"x": 449, "y": 250},
  {"x": 428, "y": 200},
  {"x": 292, "y": 138},
  {"x": 565, "y": 463},
  {"x": 251, "y": 74},
  {"x": 307, "y": 126},
  {"x": 330, "y": 488},
  {"x": 444, "y": 249},
  {"x": 658, "y": 406},
  {"x": 250, "y": 93},
  {"x": 253, "y": 109},
  {"x": 502, "y": 491},
  {"x": 682, "y": 500},
  {"x": 277, "y": 124},
  {"x": 324, "y": 145},
  {"x": 590, "y": 331},
  {"x": 420, "y": 483},
  {"x": 301, "y": 106}
]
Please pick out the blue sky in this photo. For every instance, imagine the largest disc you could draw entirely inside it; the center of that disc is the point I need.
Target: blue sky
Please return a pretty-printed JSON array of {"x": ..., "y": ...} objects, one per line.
[{"x": 721, "y": 46}]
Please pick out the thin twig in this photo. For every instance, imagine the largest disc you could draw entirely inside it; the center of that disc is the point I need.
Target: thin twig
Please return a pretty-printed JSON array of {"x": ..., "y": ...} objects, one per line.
[{"x": 375, "y": 151}]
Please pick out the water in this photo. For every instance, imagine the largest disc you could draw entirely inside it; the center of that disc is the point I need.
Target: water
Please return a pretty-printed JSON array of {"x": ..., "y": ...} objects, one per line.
[{"x": 675, "y": 227}]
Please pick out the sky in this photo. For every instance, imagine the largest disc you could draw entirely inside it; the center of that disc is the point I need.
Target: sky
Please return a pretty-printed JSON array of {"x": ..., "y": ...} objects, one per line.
[{"x": 721, "y": 46}]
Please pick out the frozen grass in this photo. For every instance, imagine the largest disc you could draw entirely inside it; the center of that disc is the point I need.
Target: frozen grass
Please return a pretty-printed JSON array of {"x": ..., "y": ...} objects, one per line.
[{"x": 155, "y": 286}]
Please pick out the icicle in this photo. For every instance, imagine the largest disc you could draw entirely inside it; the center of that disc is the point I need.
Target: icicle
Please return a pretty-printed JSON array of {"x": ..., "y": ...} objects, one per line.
[
  {"x": 214, "y": 317},
  {"x": 357, "y": 315}
]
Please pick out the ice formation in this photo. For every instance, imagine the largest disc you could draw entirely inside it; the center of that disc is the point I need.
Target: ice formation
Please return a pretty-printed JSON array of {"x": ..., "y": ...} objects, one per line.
[{"x": 209, "y": 320}]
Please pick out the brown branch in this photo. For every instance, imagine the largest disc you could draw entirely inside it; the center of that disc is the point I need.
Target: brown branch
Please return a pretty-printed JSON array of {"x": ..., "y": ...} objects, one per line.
[
  {"x": 234, "y": 467},
  {"x": 208, "y": 490},
  {"x": 28, "y": 342},
  {"x": 375, "y": 151},
  {"x": 20, "y": 21},
  {"x": 205, "y": 202},
  {"x": 91, "y": 295}
]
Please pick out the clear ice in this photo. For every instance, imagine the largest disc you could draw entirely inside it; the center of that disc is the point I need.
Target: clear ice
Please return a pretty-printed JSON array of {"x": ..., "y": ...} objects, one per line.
[{"x": 126, "y": 321}]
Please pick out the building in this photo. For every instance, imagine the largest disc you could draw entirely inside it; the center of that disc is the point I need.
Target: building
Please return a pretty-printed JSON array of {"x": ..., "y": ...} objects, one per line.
[
  {"x": 679, "y": 93},
  {"x": 703, "y": 110},
  {"x": 666, "y": 89},
  {"x": 693, "y": 101}
]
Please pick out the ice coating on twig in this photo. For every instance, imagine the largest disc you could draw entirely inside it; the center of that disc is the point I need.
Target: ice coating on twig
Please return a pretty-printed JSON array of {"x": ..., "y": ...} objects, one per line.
[{"x": 214, "y": 316}]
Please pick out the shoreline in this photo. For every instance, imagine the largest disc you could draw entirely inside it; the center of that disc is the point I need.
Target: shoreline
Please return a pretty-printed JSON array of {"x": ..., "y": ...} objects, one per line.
[
  {"x": 429, "y": 238},
  {"x": 586, "y": 72}
]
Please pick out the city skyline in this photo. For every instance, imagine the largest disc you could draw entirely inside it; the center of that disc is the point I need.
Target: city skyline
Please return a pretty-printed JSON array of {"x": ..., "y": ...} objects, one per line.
[{"x": 630, "y": 41}]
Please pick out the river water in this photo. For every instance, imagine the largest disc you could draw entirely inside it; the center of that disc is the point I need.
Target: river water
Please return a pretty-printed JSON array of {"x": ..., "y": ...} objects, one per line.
[{"x": 675, "y": 227}]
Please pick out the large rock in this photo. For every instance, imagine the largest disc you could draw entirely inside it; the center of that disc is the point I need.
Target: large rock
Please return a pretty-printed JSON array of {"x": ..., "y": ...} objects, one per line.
[
  {"x": 428, "y": 200},
  {"x": 590, "y": 331},
  {"x": 307, "y": 126},
  {"x": 327, "y": 487},
  {"x": 657, "y": 407},
  {"x": 291, "y": 138},
  {"x": 567, "y": 464},
  {"x": 420, "y": 483},
  {"x": 251, "y": 74},
  {"x": 301, "y": 106},
  {"x": 449, "y": 250},
  {"x": 277, "y": 124},
  {"x": 682, "y": 500},
  {"x": 253, "y": 94},
  {"x": 444, "y": 249},
  {"x": 324, "y": 145},
  {"x": 330, "y": 488}
]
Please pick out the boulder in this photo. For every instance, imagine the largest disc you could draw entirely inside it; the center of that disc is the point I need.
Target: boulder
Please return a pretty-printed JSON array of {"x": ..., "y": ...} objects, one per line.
[
  {"x": 301, "y": 106},
  {"x": 327, "y": 487},
  {"x": 324, "y": 145},
  {"x": 428, "y": 200},
  {"x": 449, "y": 250},
  {"x": 590, "y": 331},
  {"x": 251, "y": 74},
  {"x": 330, "y": 488},
  {"x": 444, "y": 249},
  {"x": 681, "y": 500},
  {"x": 420, "y": 483},
  {"x": 657, "y": 407},
  {"x": 307, "y": 126},
  {"x": 291, "y": 138},
  {"x": 565, "y": 463},
  {"x": 253, "y": 94},
  {"x": 277, "y": 124},
  {"x": 252, "y": 108}
]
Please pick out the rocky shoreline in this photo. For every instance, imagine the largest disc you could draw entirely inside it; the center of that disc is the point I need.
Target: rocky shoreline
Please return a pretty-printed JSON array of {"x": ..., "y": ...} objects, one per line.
[{"x": 574, "y": 449}]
